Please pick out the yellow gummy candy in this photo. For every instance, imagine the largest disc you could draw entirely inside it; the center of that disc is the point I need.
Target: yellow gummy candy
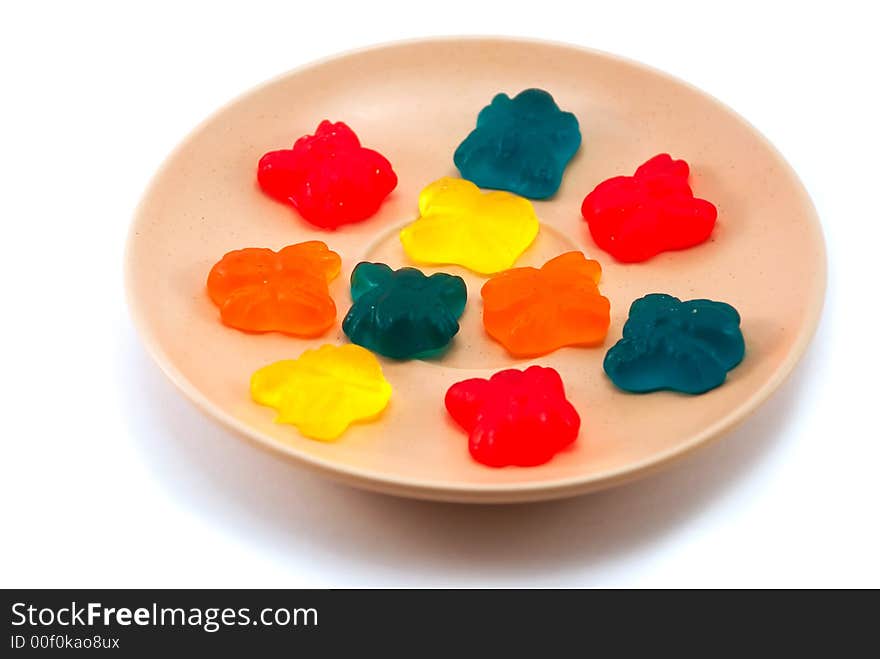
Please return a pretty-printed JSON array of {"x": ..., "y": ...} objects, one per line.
[
  {"x": 324, "y": 390},
  {"x": 459, "y": 224}
]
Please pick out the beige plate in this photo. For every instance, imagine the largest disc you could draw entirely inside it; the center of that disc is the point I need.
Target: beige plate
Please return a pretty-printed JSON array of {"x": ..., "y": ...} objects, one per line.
[{"x": 414, "y": 102}]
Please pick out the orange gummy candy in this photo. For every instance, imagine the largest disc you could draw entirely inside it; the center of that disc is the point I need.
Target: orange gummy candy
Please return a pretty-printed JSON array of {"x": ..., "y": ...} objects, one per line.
[
  {"x": 533, "y": 311},
  {"x": 259, "y": 290}
]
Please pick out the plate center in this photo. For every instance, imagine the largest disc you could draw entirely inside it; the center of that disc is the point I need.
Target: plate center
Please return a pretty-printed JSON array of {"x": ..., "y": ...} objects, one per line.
[{"x": 471, "y": 348}]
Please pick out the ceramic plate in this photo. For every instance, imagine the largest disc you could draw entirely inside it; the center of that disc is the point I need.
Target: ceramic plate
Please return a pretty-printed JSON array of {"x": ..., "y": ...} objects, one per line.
[{"x": 415, "y": 102}]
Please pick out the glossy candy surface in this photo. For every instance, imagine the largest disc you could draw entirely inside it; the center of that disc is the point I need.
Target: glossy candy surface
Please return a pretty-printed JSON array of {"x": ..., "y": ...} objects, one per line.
[
  {"x": 669, "y": 344},
  {"x": 402, "y": 313},
  {"x": 324, "y": 390},
  {"x": 459, "y": 224},
  {"x": 636, "y": 217},
  {"x": 521, "y": 144},
  {"x": 533, "y": 311},
  {"x": 328, "y": 177},
  {"x": 515, "y": 417},
  {"x": 259, "y": 290}
]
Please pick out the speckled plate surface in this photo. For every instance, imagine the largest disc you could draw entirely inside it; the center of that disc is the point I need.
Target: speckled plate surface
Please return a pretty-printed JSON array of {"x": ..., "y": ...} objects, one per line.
[{"x": 414, "y": 102}]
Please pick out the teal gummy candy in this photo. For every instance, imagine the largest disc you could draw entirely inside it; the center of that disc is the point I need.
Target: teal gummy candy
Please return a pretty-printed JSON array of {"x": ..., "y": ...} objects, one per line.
[
  {"x": 669, "y": 344},
  {"x": 403, "y": 313},
  {"x": 521, "y": 145}
]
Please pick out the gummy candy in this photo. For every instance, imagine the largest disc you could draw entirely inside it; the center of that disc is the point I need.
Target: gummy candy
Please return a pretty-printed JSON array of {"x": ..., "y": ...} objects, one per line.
[
  {"x": 402, "y": 313},
  {"x": 515, "y": 417},
  {"x": 259, "y": 290},
  {"x": 532, "y": 312},
  {"x": 328, "y": 177},
  {"x": 459, "y": 224},
  {"x": 521, "y": 144},
  {"x": 636, "y": 217},
  {"x": 670, "y": 344},
  {"x": 324, "y": 390}
]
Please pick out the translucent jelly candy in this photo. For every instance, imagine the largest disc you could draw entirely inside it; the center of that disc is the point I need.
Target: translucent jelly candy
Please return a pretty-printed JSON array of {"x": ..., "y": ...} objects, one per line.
[
  {"x": 324, "y": 390},
  {"x": 259, "y": 290},
  {"x": 515, "y": 417},
  {"x": 532, "y": 312},
  {"x": 521, "y": 144},
  {"x": 328, "y": 177},
  {"x": 670, "y": 344},
  {"x": 459, "y": 224},
  {"x": 636, "y": 217},
  {"x": 402, "y": 313}
]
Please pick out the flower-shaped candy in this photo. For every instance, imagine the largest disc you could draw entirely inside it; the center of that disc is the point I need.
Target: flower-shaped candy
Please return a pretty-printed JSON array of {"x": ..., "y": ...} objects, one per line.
[
  {"x": 521, "y": 144},
  {"x": 324, "y": 390},
  {"x": 532, "y": 312},
  {"x": 458, "y": 224},
  {"x": 515, "y": 417},
  {"x": 670, "y": 344},
  {"x": 636, "y": 217},
  {"x": 259, "y": 290},
  {"x": 328, "y": 177},
  {"x": 402, "y": 313}
]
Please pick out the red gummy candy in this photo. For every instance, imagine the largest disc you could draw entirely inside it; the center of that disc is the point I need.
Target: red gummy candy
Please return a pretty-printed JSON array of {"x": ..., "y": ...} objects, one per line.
[
  {"x": 328, "y": 177},
  {"x": 516, "y": 417},
  {"x": 636, "y": 217}
]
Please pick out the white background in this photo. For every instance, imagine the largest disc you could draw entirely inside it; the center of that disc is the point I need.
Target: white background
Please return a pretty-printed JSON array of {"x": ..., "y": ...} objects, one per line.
[{"x": 110, "y": 478}]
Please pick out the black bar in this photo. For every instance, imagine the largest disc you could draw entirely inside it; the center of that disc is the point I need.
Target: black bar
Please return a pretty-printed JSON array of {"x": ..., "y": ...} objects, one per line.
[{"x": 420, "y": 622}]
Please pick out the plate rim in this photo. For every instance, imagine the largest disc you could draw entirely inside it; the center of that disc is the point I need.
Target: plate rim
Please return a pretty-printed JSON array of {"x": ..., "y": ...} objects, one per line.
[{"x": 453, "y": 491}]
